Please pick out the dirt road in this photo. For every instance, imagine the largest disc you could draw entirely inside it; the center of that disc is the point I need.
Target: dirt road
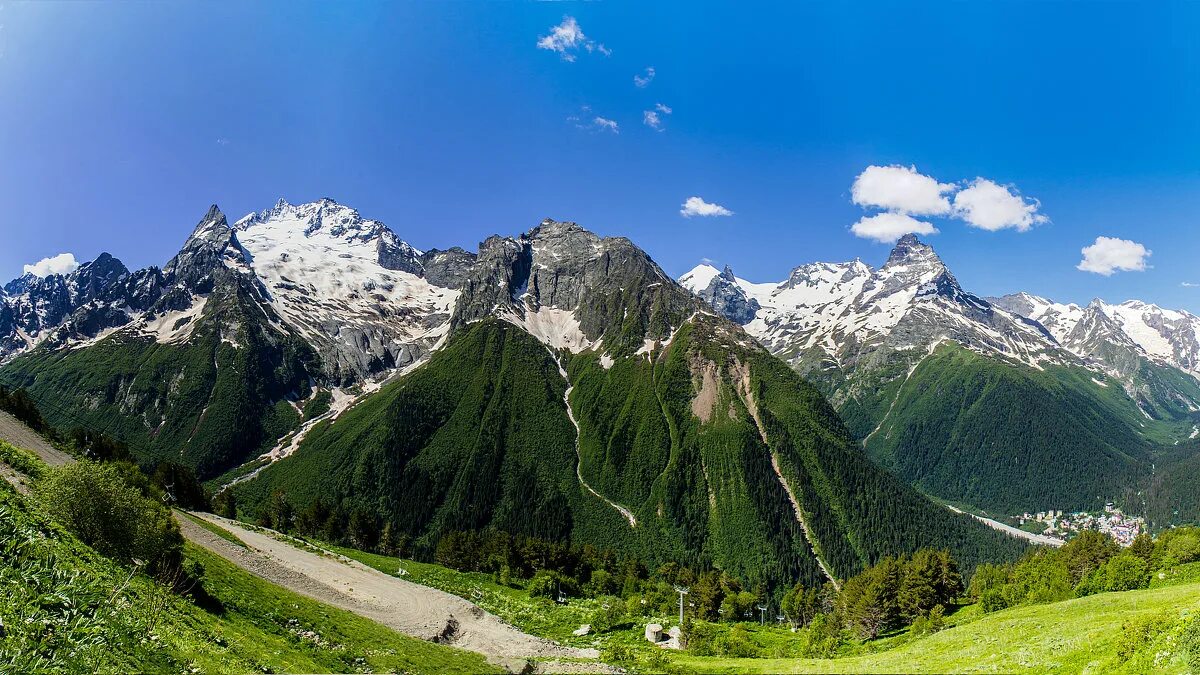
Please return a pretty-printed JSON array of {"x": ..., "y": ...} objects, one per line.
[
  {"x": 416, "y": 610},
  {"x": 412, "y": 609},
  {"x": 14, "y": 431}
]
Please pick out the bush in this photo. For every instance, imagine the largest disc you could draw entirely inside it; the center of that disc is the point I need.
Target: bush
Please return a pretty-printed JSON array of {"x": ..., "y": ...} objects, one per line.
[
  {"x": 96, "y": 504},
  {"x": 1189, "y": 643},
  {"x": 549, "y": 584},
  {"x": 993, "y": 600},
  {"x": 930, "y": 623},
  {"x": 1125, "y": 573},
  {"x": 21, "y": 460},
  {"x": 609, "y": 615},
  {"x": 1180, "y": 549},
  {"x": 824, "y": 639},
  {"x": 615, "y": 652},
  {"x": 1139, "y": 633}
]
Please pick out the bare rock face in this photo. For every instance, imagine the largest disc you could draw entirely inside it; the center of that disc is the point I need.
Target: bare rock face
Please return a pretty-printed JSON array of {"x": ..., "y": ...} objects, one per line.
[
  {"x": 729, "y": 299},
  {"x": 614, "y": 291},
  {"x": 79, "y": 304},
  {"x": 448, "y": 268}
]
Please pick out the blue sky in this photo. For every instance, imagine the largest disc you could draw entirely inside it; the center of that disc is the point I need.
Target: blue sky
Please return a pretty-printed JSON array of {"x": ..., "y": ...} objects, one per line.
[{"x": 121, "y": 123}]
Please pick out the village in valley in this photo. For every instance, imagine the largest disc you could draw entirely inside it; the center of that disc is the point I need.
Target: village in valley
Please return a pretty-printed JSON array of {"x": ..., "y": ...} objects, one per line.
[{"x": 1112, "y": 521}]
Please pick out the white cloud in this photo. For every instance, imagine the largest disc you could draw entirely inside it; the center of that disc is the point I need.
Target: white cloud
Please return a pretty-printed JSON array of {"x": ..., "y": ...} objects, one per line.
[
  {"x": 695, "y": 206},
  {"x": 643, "y": 81},
  {"x": 888, "y": 227},
  {"x": 595, "y": 123},
  {"x": 222, "y": 141},
  {"x": 990, "y": 206},
  {"x": 63, "y": 263},
  {"x": 1110, "y": 254},
  {"x": 651, "y": 119},
  {"x": 567, "y": 38},
  {"x": 1188, "y": 284},
  {"x": 663, "y": 109},
  {"x": 901, "y": 189},
  {"x": 606, "y": 125}
]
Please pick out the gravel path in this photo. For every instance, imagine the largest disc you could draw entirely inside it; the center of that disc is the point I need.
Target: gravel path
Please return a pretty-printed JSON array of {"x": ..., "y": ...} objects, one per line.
[
  {"x": 14, "y": 431},
  {"x": 419, "y": 611},
  {"x": 412, "y": 609}
]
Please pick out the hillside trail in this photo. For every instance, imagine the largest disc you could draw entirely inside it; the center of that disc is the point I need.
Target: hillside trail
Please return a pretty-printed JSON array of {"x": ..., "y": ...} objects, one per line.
[
  {"x": 422, "y": 612},
  {"x": 14, "y": 431},
  {"x": 419, "y": 611}
]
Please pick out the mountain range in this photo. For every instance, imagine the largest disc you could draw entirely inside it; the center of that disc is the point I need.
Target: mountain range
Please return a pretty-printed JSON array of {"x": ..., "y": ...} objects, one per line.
[
  {"x": 559, "y": 385},
  {"x": 1010, "y": 404},
  {"x": 553, "y": 384}
]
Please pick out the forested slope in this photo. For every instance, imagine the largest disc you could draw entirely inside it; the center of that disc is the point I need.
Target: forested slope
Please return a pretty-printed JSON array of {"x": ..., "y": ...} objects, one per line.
[
  {"x": 685, "y": 437},
  {"x": 1000, "y": 436}
]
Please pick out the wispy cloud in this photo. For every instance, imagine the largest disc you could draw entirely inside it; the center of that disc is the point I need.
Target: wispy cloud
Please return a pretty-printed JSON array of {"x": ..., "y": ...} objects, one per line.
[
  {"x": 63, "y": 263},
  {"x": 695, "y": 206},
  {"x": 1110, "y": 254},
  {"x": 1188, "y": 284},
  {"x": 567, "y": 38},
  {"x": 642, "y": 81},
  {"x": 606, "y": 124},
  {"x": 653, "y": 118},
  {"x": 587, "y": 120},
  {"x": 222, "y": 141}
]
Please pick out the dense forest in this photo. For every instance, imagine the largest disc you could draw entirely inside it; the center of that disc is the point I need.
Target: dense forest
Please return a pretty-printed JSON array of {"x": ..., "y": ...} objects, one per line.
[
  {"x": 686, "y": 438},
  {"x": 998, "y": 436}
]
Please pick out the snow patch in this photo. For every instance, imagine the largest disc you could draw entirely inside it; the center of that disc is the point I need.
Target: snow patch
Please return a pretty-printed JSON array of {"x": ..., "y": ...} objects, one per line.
[{"x": 176, "y": 327}]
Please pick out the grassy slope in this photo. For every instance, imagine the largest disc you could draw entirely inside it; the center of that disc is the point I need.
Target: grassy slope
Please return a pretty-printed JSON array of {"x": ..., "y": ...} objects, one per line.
[
  {"x": 1062, "y": 637},
  {"x": 243, "y": 625},
  {"x": 1069, "y": 637}
]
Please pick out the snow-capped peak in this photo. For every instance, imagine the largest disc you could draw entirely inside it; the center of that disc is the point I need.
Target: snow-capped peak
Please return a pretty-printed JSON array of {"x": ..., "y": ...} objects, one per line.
[
  {"x": 699, "y": 277},
  {"x": 847, "y": 309}
]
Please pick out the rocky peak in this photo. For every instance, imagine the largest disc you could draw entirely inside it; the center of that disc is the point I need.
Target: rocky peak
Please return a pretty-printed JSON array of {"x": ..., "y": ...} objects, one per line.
[
  {"x": 821, "y": 273},
  {"x": 605, "y": 285},
  {"x": 212, "y": 250},
  {"x": 97, "y": 276},
  {"x": 728, "y": 298},
  {"x": 911, "y": 252}
]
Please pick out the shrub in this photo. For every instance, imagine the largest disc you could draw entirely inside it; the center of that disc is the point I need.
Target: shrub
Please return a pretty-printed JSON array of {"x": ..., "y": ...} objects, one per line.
[
  {"x": 1181, "y": 549},
  {"x": 993, "y": 600},
  {"x": 1125, "y": 573},
  {"x": 21, "y": 460},
  {"x": 549, "y": 584},
  {"x": 609, "y": 615},
  {"x": 824, "y": 639},
  {"x": 615, "y": 652},
  {"x": 930, "y": 623},
  {"x": 1139, "y": 633},
  {"x": 1189, "y": 643},
  {"x": 96, "y": 504}
]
